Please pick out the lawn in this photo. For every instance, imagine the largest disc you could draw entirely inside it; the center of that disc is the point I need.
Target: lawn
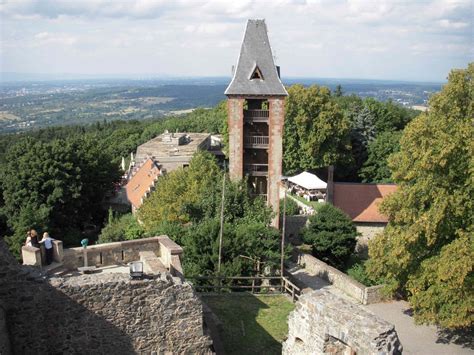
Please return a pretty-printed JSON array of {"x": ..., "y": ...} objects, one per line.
[
  {"x": 313, "y": 204},
  {"x": 252, "y": 324}
]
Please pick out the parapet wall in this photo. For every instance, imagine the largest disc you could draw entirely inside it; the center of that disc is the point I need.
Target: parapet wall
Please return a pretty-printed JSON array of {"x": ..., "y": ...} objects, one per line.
[
  {"x": 323, "y": 323},
  {"x": 98, "y": 313},
  {"x": 168, "y": 252},
  {"x": 360, "y": 292}
]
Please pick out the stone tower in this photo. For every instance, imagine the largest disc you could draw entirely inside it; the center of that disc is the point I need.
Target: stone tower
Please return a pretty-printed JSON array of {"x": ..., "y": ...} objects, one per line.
[{"x": 256, "y": 99}]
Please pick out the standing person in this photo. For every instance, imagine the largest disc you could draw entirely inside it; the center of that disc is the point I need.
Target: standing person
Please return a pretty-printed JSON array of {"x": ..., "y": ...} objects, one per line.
[
  {"x": 28, "y": 239},
  {"x": 34, "y": 239},
  {"x": 48, "y": 245}
]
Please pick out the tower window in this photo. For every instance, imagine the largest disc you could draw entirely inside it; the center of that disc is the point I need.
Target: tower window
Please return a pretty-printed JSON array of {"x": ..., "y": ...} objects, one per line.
[{"x": 257, "y": 74}]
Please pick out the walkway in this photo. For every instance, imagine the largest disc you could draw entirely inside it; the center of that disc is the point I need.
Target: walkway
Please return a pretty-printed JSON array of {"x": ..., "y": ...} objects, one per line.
[
  {"x": 420, "y": 339},
  {"x": 416, "y": 339}
]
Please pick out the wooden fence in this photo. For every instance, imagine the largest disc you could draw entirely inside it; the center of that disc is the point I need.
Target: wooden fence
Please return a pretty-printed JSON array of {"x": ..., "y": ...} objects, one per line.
[{"x": 254, "y": 284}]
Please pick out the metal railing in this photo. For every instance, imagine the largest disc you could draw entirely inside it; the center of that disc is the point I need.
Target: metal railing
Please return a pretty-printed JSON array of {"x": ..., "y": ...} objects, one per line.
[
  {"x": 256, "y": 140},
  {"x": 260, "y": 115},
  {"x": 254, "y": 284},
  {"x": 256, "y": 168}
]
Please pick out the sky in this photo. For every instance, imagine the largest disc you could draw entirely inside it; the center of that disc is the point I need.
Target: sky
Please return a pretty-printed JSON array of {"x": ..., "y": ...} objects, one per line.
[{"x": 414, "y": 40}]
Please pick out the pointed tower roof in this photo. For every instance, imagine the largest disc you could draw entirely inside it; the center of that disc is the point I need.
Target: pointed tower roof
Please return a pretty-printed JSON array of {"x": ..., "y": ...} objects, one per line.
[{"x": 256, "y": 73}]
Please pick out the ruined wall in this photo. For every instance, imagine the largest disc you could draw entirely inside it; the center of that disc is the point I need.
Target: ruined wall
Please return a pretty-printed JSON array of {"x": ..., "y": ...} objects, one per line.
[
  {"x": 324, "y": 323},
  {"x": 4, "y": 333},
  {"x": 98, "y": 313},
  {"x": 360, "y": 292}
]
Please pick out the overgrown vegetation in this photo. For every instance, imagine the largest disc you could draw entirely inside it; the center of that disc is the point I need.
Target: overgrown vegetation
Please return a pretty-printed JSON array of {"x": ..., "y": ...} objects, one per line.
[
  {"x": 332, "y": 235},
  {"x": 427, "y": 250}
]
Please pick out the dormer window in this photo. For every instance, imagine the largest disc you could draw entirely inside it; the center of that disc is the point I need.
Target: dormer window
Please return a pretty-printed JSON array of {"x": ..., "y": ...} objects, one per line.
[{"x": 257, "y": 74}]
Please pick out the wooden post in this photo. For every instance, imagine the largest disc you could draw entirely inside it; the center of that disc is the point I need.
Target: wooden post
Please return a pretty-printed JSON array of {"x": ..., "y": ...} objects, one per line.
[
  {"x": 282, "y": 266},
  {"x": 222, "y": 224}
]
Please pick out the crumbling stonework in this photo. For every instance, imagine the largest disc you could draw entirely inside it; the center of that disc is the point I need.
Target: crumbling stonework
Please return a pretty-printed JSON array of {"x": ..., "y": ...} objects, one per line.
[
  {"x": 98, "y": 313},
  {"x": 323, "y": 323}
]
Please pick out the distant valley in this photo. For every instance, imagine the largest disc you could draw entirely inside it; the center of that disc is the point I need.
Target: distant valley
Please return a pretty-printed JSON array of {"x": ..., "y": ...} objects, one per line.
[{"x": 26, "y": 105}]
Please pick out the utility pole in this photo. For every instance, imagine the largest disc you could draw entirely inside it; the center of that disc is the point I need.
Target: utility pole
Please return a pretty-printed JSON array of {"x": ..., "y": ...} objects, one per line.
[
  {"x": 222, "y": 223},
  {"x": 282, "y": 267}
]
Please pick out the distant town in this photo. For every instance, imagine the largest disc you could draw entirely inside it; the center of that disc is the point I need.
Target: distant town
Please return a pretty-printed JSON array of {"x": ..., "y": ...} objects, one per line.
[{"x": 26, "y": 105}]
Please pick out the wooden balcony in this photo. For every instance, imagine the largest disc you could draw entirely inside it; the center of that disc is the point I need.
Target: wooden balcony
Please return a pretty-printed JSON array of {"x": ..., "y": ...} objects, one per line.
[
  {"x": 256, "y": 142},
  {"x": 256, "y": 169},
  {"x": 256, "y": 115}
]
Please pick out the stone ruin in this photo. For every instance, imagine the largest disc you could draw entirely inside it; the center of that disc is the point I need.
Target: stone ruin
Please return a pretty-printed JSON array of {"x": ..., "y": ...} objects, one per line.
[
  {"x": 324, "y": 323},
  {"x": 101, "y": 313}
]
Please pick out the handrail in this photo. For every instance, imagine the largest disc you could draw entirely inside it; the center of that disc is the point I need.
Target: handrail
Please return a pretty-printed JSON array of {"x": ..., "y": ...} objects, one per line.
[
  {"x": 256, "y": 113},
  {"x": 256, "y": 168},
  {"x": 256, "y": 140}
]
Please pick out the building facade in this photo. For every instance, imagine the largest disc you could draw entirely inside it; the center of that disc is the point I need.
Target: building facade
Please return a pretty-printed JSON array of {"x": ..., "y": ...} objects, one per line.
[{"x": 256, "y": 113}]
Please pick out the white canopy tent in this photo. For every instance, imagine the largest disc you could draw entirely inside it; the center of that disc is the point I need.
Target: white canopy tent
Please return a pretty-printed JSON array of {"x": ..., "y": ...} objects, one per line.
[{"x": 308, "y": 181}]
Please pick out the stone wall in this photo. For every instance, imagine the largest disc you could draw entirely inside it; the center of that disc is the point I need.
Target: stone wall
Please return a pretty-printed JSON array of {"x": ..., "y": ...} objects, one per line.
[
  {"x": 323, "y": 323},
  {"x": 98, "y": 313},
  {"x": 293, "y": 227},
  {"x": 368, "y": 231},
  {"x": 361, "y": 293},
  {"x": 168, "y": 252},
  {"x": 5, "y": 348}
]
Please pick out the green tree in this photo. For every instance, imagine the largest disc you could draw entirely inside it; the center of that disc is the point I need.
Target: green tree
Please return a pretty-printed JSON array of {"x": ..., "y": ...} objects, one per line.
[
  {"x": 426, "y": 251},
  {"x": 179, "y": 190},
  {"x": 121, "y": 228},
  {"x": 338, "y": 92},
  {"x": 58, "y": 185},
  {"x": 332, "y": 235},
  {"x": 375, "y": 168},
  {"x": 316, "y": 131}
]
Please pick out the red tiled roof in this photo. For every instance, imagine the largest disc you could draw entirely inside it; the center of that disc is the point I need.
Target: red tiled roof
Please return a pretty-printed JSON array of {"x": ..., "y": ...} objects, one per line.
[
  {"x": 139, "y": 184},
  {"x": 361, "y": 201}
]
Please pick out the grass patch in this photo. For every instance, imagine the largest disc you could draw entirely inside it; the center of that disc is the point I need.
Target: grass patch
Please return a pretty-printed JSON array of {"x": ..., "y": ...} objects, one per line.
[
  {"x": 313, "y": 204},
  {"x": 252, "y": 324}
]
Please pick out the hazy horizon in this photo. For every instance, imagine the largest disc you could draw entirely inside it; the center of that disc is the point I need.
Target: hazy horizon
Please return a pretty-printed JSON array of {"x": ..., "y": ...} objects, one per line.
[{"x": 7, "y": 77}]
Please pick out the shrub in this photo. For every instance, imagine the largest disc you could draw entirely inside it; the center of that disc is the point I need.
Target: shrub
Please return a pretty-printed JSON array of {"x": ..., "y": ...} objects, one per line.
[
  {"x": 121, "y": 228},
  {"x": 331, "y": 234},
  {"x": 292, "y": 207},
  {"x": 358, "y": 272}
]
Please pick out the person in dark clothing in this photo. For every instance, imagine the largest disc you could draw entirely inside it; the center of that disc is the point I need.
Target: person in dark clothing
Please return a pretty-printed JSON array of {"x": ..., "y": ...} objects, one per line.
[{"x": 34, "y": 239}]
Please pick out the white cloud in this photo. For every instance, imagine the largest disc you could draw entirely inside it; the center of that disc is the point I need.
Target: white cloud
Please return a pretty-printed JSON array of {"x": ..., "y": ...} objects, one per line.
[{"x": 202, "y": 37}]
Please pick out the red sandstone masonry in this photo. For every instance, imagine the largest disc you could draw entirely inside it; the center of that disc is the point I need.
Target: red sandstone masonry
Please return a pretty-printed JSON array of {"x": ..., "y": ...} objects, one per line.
[
  {"x": 275, "y": 153},
  {"x": 235, "y": 121}
]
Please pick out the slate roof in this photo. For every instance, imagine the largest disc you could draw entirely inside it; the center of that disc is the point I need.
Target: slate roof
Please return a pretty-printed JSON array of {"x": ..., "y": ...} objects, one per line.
[
  {"x": 361, "y": 201},
  {"x": 141, "y": 182},
  {"x": 256, "y": 53}
]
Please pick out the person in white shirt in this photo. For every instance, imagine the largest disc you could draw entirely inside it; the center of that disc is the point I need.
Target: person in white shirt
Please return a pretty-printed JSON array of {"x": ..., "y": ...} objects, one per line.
[
  {"x": 28, "y": 242},
  {"x": 48, "y": 246}
]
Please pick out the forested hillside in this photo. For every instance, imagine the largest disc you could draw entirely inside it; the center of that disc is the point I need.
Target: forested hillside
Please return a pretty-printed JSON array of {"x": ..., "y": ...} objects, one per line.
[{"x": 56, "y": 178}]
